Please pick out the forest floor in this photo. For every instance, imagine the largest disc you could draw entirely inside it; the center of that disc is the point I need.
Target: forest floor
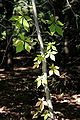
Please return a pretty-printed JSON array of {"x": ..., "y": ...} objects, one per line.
[{"x": 18, "y": 94}]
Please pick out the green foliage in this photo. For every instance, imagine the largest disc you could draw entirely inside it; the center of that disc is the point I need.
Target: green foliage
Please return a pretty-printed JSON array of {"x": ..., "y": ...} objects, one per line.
[
  {"x": 54, "y": 69},
  {"x": 40, "y": 108},
  {"x": 51, "y": 51},
  {"x": 19, "y": 46},
  {"x": 55, "y": 26},
  {"x": 3, "y": 34},
  {"x": 24, "y": 38},
  {"x": 41, "y": 81},
  {"x": 38, "y": 60}
]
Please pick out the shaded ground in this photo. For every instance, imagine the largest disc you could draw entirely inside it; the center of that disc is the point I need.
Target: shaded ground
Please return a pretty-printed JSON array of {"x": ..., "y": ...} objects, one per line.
[{"x": 18, "y": 94}]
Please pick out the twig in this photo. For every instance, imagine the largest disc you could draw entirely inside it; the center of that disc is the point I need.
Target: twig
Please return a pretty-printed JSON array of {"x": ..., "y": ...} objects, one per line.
[
  {"x": 75, "y": 15},
  {"x": 2, "y": 26},
  {"x": 5, "y": 51}
]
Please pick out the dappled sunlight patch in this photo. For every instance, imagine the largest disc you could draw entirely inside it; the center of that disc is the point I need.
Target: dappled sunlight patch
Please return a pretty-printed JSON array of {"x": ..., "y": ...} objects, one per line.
[
  {"x": 21, "y": 69},
  {"x": 1, "y": 70},
  {"x": 20, "y": 57},
  {"x": 61, "y": 98},
  {"x": 3, "y": 76}
]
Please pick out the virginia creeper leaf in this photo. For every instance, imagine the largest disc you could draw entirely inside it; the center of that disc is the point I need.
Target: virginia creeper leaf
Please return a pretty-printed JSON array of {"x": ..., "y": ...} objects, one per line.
[{"x": 56, "y": 72}]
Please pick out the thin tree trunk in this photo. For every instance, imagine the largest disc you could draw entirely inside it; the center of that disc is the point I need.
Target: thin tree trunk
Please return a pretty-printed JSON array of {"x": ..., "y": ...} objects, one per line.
[{"x": 44, "y": 65}]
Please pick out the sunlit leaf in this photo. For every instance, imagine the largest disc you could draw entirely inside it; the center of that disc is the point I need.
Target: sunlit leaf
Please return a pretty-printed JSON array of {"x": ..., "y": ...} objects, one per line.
[
  {"x": 14, "y": 18},
  {"x": 35, "y": 58},
  {"x": 54, "y": 52},
  {"x": 46, "y": 116},
  {"x": 47, "y": 55},
  {"x": 57, "y": 72},
  {"x": 25, "y": 23},
  {"x": 17, "y": 25},
  {"x": 44, "y": 81},
  {"x": 50, "y": 72},
  {"x": 56, "y": 67},
  {"x": 54, "y": 48},
  {"x": 60, "y": 23},
  {"x": 35, "y": 115},
  {"x": 52, "y": 57},
  {"x": 27, "y": 47},
  {"x": 28, "y": 18},
  {"x": 38, "y": 83},
  {"x": 20, "y": 20},
  {"x": 48, "y": 47},
  {"x": 42, "y": 106},
  {"x": 36, "y": 65}
]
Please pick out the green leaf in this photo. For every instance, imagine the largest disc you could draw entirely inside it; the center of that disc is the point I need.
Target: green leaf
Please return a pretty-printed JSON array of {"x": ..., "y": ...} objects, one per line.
[
  {"x": 25, "y": 23},
  {"x": 28, "y": 40},
  {"x": 42, "y": 107},
  {"x": 27, "y": 47},
  {"x": 56, "y": 67},
  {"x": 35, "y": 58},
  {"x": 60, "y": 23},
  {"x": 44, "y": 81},
  {"x": 59, "y": 30},
  {"x": 28, "y": 18},
  {"x": 17, "y": 24},
  {"x": 54, "y": 48},
  {"x": 35, "y": 115},
  {"x": 54, "y": 52},
  {"x": 52, "y": 57},
  {"x": 48, "y": 47},
  {"x": 20, "y": 20},
  {"x": 38, "y": 83},
  {"x": 14, "y": 18},
  {"x": 48, "y": 21},
  {"x": 47, "y": 55},
  {"x": 52, "y": 29},
  {"x": 36, "y": 65},
  {"x": 50, "y": 72},
  {"x": 19, "y": 47},
  {"x": 56, "y": 72},
  {"x": 46, "y": 116}
]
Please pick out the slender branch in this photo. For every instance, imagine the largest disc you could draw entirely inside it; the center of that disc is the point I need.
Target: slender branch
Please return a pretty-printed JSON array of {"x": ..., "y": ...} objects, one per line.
[
  {"x": 2, "y": 26},
  {"x": 44, "y": 66},
  {"x": 75, "y": 15},
  {"x": 5, "y": 51}
]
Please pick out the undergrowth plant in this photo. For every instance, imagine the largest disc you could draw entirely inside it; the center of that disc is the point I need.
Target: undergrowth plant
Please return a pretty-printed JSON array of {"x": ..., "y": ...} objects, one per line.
[{"x": 26, "y": 21}]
